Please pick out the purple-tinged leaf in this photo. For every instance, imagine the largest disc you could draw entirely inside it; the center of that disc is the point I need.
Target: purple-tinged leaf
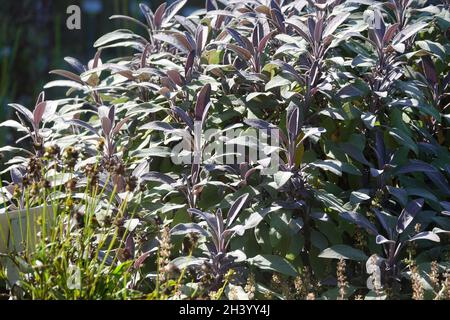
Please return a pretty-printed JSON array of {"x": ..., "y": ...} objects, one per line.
[
  {"x": 39, "y": 112},
  {"x": 211, "y": 221},
  {"x": 119, "y": 125},
  {"x": 289, "y": 69},
  {"x": 130, "y": 246},
  {"x": 148, "y": 13},
  {"x": 279, "y": 19},
  {"x": 203, "y": 99},
  {"x": 379, "y": 26},
  {"x": 201, "y": 38},
  {"x": 112, "y": 114},
  {"x": 96, "y": 61},
  {"x": 235, "y": 209},
  {"x": 409, "y": 31},
  {"x": 390, "y": 32},
  {"x": 260, "y": 124},
  {"x": 190, "y": 40},
  {"x": 426, "y": 235},
  {"x": 399, "y": 194},
  {"x": 158, "y": 17},
  {"x": 195, "y": 170},
  {"x": 255, "y": 35},
  {"x": 211, "y": 5},
  {"x": 189, "y": 64},
  {"x": 383, "y": 219},
  {"x": 41, "y": 98},
  {"x": 300, "y": 28},
  {"x": 293, "y": 124},
  {"x": 333, "y": 24},
  {"x": 416, "y": 166},
  {"x": 175, "y": 77},
  {"x": 380, "y": 149},
  {"x": 237, "y": 37},
  {"x": 77, "y": 65},
  {"x": 242, "y": 53},
  {"x": 176, "y": 40},
  {"x": 407, "y": 215},
  {"x": 183, "y": 116},
  {"x": 360, "y": 221},
  {"x": 318, "y": 30},
  {"x": 382, "y": 240},
  {"x": 158, "y": 177},
  {"x": 104, "y": 115},
  {"x": 263, "y": 42},
  {"x": 429, "y": 70},
  {"x": 144, "y": 55},
  {"x": 67, "y": 74},
  {"x": 140, "y": 261},
  {"x": 172, "y": 10},
  {"x": 311, "y": 27},
  {"x": 274, "y": 5}
]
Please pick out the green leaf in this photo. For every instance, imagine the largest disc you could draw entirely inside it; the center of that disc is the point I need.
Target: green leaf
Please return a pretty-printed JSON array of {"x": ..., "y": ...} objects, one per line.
[
  {"x": 277, "y": 81},
  {"x": 281, "y": 178},
  {"x": 342, "y": 251},
  {"x": 273, "y": 263},
  {"x": 404, "y": 139},
  {"x": 121, "y": 34}
]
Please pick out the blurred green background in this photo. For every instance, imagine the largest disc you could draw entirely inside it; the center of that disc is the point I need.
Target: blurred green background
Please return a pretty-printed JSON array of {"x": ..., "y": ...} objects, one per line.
[{"x": 34, "y": 39}]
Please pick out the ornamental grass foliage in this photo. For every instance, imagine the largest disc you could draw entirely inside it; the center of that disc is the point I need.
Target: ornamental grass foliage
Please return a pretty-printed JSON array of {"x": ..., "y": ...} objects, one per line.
[{"x": 252, "y": 150}]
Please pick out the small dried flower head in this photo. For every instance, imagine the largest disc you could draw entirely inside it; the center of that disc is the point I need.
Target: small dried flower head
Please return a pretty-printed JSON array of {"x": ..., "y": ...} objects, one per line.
[
  {"x": 52, "y": 151},
  {"x": 45, "y": 184},
  {"x": 119, "y": 169},
  {"x": 276, "y": 281},
  {"x": 417, "y": 287},
  {"x": 212, "y": 295},
  {"x": 100, "y": 144},
  {"x": 69, "y": 203},
  {"x": 434, "y": 276},
  {"x": 165, "y": 247},
  {"x": 34, "y": 167},
  {"x": 341, "y": 278},
  {"x": 417, "y": 227},
  {"x": 71, "y": 185},
  {"x": 17, "y": 193},
  {"x": 35, "y": 189},
  {"x": 250, "y": 287},
  {"x": 233, "y": 294},
  {"x": 131, "y": 183},
  {"x": 70, "y": 157}
]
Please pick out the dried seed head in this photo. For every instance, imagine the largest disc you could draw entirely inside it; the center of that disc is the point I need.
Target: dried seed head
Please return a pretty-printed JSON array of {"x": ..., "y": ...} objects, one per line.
[
  {"x": 250, "y": 287},
  {"x": 52, "y": 152},
  {"x": 165, "y": 246},
  {"x": 341, "y": 279},
  {"x": 416, "y": 284},
  {"x": 434, "y": 276},
  {"x": 417, "y": 227}
]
